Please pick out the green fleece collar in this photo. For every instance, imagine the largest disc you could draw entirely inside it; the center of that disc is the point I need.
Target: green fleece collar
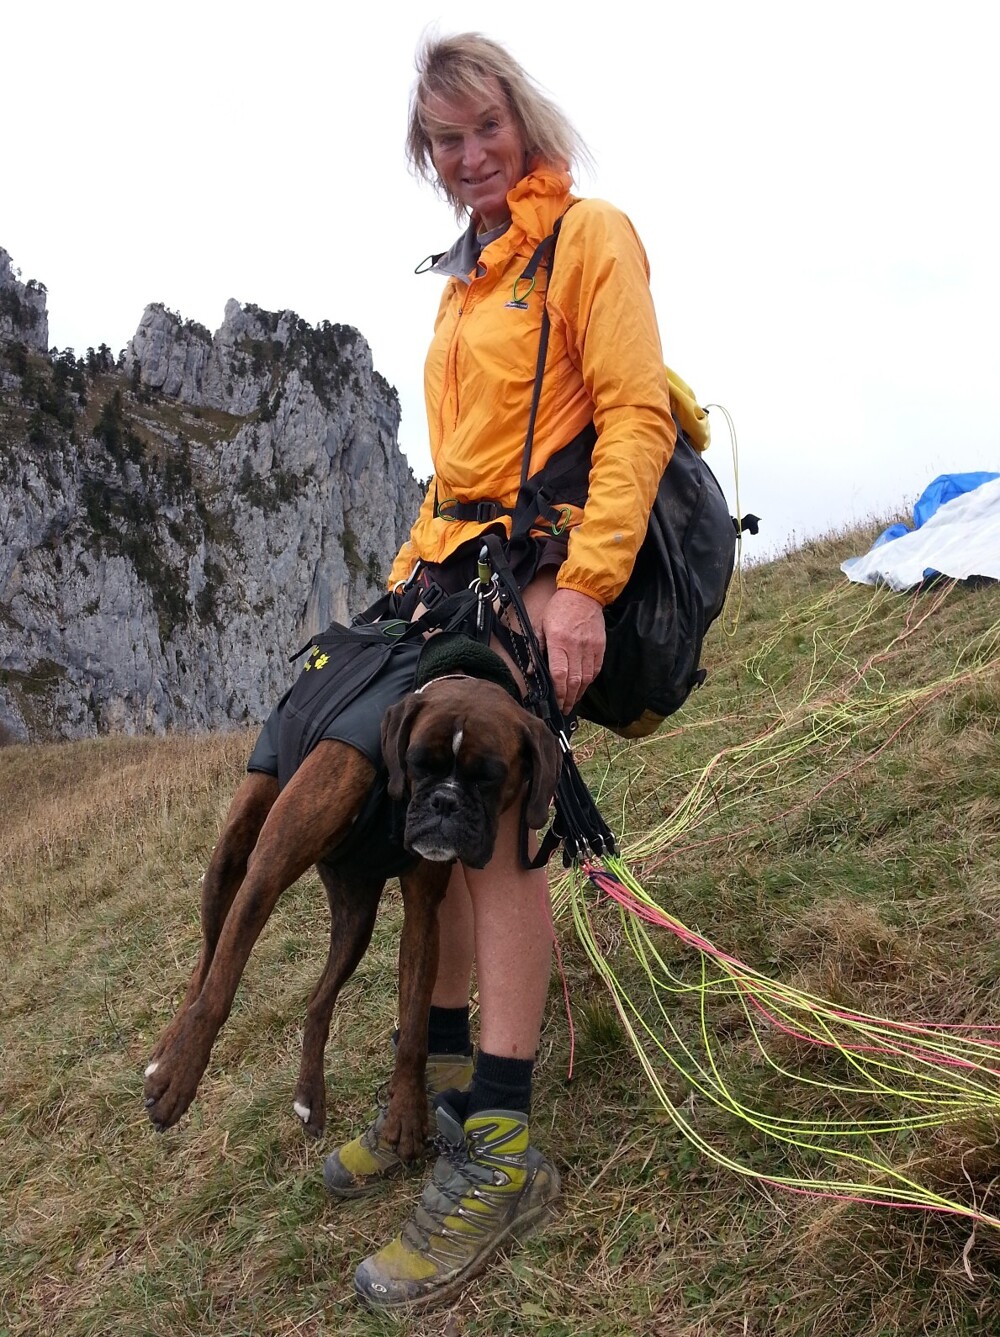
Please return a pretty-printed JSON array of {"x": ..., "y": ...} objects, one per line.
[{"x": 452, "y": 653}]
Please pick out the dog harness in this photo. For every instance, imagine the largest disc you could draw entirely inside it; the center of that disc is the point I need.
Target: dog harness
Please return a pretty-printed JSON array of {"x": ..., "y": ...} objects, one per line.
[{"x": 350, "y": 678}]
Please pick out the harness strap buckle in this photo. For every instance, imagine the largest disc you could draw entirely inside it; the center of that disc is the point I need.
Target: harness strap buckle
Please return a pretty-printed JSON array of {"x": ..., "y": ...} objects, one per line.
[
  {"x": 431, "y": 595},
  {"x": 478, "y": 512}
]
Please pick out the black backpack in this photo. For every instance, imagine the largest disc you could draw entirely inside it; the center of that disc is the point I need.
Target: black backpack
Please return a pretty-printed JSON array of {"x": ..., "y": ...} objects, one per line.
[{"x": 677, "y": 588}]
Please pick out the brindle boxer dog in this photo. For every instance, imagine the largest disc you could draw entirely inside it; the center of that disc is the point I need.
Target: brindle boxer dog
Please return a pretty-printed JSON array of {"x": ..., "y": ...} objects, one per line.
[{"x": 465, "y": 752}]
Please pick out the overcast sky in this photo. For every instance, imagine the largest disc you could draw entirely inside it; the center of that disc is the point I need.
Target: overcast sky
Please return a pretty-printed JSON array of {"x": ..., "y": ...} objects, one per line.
[{"x": 815, "y": 184}]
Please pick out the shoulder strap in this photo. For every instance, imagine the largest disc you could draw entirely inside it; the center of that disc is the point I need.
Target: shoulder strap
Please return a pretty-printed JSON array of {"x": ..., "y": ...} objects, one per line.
[
  {"x": 561, "y": 476},
  {"x": 543, "y": 249}
]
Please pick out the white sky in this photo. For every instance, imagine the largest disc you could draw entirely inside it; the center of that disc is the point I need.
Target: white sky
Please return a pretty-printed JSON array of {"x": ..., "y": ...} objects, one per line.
[{"x": 815, "y": 184}]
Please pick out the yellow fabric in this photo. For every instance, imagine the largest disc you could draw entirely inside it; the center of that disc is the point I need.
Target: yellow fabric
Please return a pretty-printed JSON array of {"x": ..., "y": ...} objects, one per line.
[
  {"x": 647, "y": 723},
  {"x": 400, "y": 1262},
  {"x": 604, "y": 365},
  {"x": 688, "y": 412}
]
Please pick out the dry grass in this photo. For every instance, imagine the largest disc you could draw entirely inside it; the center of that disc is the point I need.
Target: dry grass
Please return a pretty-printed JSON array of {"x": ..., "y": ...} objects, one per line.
[
  {"x": 868, "y": 876},
  {"x": 81, "y": 820}
]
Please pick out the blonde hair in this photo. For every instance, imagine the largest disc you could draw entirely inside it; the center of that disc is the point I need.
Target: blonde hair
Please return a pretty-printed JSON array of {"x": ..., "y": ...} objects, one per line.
[{"x": 460, "y": 67}]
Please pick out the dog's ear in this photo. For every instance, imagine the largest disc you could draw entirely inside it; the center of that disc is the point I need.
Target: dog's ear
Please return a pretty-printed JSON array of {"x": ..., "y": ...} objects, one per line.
[
  {"x": 396, "y": 725},
  {"x": 545, "y": 762}
]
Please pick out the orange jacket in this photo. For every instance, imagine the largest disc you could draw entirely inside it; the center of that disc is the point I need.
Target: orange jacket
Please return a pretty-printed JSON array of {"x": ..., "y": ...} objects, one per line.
[{"x": 604, "y": 365}]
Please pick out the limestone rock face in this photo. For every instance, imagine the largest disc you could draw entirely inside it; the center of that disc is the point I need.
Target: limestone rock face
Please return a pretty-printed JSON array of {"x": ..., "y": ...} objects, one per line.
[
  {"x": 174, "y": 527},
  {"x": 23, "y": 314}
]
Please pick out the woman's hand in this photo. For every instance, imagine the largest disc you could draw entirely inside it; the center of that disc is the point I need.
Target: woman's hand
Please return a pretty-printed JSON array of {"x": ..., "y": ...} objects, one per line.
[{"x": 571, "y": 633}]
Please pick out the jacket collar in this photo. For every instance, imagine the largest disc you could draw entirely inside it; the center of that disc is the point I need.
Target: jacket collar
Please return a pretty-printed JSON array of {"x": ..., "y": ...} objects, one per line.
[{"x": 536, "y": 202}]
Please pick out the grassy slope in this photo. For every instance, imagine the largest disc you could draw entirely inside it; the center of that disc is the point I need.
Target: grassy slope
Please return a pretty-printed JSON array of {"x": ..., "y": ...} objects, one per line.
[{"x": 870, "y": 879}]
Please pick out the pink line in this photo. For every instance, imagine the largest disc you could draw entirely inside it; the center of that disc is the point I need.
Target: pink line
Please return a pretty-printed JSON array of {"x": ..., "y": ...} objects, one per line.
[
  {"x": 881, "y": 1202},
  {"x": 902, "y": 1049},
  {"x": 565, "y": 983},
  {"x": 610, "y": 885}
]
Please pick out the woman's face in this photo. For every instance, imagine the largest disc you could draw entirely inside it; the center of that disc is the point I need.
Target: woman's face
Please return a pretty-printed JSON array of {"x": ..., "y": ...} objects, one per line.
[{"x": 477, "y": 150}]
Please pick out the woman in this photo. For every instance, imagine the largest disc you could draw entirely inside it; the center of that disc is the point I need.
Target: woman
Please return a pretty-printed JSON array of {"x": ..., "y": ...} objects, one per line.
[{"x": 500, "y": 151}]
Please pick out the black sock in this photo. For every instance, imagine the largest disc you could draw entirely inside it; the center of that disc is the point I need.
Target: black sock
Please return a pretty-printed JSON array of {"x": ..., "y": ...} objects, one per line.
[
  {"x": 448, "y": 1031},
  {"x": 501, "y": 1084}
]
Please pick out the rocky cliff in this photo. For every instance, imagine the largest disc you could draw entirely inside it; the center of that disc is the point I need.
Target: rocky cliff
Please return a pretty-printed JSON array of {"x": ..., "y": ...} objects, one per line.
[
  {"x": 23, "y": 313},
  {"x": 175, "y": 522}
]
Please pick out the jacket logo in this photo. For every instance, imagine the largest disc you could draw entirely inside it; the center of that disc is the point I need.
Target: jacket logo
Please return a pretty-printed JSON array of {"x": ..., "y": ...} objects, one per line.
[{"x": 515, "y": 305}]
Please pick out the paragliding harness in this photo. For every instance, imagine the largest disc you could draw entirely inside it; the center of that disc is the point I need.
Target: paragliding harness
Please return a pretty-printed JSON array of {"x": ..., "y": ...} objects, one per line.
[
  {"x": 482, "y": 611},
  {"x": 352, "y": 674}
]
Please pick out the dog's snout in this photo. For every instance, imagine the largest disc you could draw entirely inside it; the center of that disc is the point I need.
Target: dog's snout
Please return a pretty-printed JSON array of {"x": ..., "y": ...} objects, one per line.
[{"x": 444, "y": 802}]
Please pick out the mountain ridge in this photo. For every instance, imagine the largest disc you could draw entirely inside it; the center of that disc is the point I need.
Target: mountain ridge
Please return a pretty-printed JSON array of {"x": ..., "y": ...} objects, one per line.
[{"x": 176, "y": 521}]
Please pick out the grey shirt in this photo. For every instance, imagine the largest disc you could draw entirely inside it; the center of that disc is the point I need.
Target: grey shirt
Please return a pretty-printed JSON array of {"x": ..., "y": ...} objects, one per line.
[{"x": 462, "y": 261}]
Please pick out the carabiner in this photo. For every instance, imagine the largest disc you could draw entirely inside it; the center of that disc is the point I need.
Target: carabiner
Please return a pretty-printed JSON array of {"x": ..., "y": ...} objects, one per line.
[{"x": 565, "y": 513}]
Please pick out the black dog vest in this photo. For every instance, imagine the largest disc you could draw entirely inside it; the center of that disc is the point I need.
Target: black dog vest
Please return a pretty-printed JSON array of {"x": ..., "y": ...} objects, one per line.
[{"x": 352, "y": 675}]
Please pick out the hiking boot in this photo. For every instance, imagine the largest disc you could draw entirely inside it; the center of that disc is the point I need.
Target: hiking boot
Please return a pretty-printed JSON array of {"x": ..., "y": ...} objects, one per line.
[
  {"x": 360, "y": 1166},
  {"x": 488, "y": 1187}
]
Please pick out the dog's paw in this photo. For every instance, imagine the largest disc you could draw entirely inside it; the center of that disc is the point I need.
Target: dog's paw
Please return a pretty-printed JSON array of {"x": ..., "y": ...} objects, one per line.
[
  {"x": 171, "y": 1078},
  {"x": 165, "y": 1103},
  {"x": 406, "y": 1127},
  {"x": 313, "y": 1120},
  {"x": 160, "y": 1097},
  {"x": 310, "y": 1104}
]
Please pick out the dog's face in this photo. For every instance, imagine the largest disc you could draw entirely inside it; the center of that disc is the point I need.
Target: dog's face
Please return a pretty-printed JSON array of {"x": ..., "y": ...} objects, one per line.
[{"x": 465, "y": 751}]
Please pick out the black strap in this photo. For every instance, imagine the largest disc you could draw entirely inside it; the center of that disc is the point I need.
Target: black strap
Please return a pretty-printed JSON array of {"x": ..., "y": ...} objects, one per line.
[
  {"x": 482, "y": 512},
  {"x": 578, "y": 825},
  {"x": 468, "y": 611},
  {"x": 536, "y": 495},
  {"x": 448, "y": 614},
  {"x": 547, "y": 247}
]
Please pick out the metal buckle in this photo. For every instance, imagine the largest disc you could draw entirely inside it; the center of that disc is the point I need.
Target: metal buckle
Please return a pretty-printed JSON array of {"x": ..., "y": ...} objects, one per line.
[
  {"x": 401, "y": 586},
  {"x": 485, "y": 589}
]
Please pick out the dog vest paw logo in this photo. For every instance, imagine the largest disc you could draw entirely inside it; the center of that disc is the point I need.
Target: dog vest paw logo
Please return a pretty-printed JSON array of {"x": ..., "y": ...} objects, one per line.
[{"x": 318, "y": 662}]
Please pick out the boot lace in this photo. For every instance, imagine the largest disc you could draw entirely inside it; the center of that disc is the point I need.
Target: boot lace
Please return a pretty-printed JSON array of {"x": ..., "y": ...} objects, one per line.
[
  {"x": 455, "y": 1153},
  {"x": 370, "y": 1137},
  {"x": 443, "y": 1197}
]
